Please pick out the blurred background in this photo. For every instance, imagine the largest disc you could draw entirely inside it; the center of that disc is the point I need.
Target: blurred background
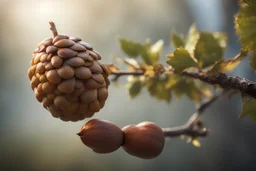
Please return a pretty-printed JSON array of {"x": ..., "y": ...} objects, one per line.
[{"x": 31, "y": 139}]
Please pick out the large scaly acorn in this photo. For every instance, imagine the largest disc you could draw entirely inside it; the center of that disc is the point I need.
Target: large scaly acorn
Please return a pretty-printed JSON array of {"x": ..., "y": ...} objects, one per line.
[{"x": 67, "y": 77}]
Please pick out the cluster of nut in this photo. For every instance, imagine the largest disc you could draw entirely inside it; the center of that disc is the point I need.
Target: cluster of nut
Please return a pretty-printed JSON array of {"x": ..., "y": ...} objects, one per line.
[
  {"x": 67, "y": 78},
  {"x": 145, "y": 140}
]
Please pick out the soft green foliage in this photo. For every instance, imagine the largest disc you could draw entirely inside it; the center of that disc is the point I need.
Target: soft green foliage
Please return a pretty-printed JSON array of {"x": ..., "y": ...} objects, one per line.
[
  {"x": 245, "y": 26},
  {"x": 181, "y": 85},
  {"x": 246, "y": 23},
  {"x": 208, "y": 50},
  {"x": 192, "y": 38},
  {"x": 134, "y": 86},
  {"x": 131, "y": 48},
  {"x": 162, "y": 87},
  {"x": 156, "y": 88},
  {"x": 226, "y": 65},
  {"x": 180, "y": 59},
  {"x": 204, "y": 48},
  {"x": 249, "y": 107},
  {"x": 177, "y": 40},
  {"x": 198, "y": 51},
  {"x": 149, "y": 53}
]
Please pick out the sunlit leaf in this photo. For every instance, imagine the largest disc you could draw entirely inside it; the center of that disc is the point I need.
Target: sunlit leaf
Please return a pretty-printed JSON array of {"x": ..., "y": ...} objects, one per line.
[
  {"x": 112, "y": 68},
  {"x": 131, "y": 48},
  {"x": 132, "y": 63},
  {"x": 194, "y": 89},
  {"x": 246, "y": 23},
  {"x": 177, "y": 40},
  {"x": 156, "y": 88},
  {"x": 196, "y": 143},
  {"x": 222, "y": 39},
  {"x": 192, "y": 38},
  {"x": 134, "y": 86},
  {"x": 226, "y": 65},
  {"x": 208, "y": 49},
  {"x": 249, "y": 107},
  {"x": 150, "y": 53},
  {"x": 180, "y": 59}
]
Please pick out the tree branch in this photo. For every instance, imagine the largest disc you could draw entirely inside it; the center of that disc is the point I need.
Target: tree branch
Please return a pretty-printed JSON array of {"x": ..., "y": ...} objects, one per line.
[
  {"x": 193, "y": 127},
  {"x": 227, "y": 82},
  {"x": 242, "y": 84}
]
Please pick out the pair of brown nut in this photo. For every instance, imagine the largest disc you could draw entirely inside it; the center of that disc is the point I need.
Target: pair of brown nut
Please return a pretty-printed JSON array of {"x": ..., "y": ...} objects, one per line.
[{"x": 145, "y": 140}]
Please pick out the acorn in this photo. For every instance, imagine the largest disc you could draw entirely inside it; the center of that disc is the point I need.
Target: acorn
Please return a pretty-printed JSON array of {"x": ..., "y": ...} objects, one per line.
[
  {"x": 145, "y": 140},
  {"x": 101, "y": 136},
  {"x": 67, "y": 77}
]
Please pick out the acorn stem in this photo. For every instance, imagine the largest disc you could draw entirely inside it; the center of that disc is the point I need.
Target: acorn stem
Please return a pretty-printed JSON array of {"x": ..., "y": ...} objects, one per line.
[
  {"x": 79, "y": 134},
  {"x": 53, "y": 29}
]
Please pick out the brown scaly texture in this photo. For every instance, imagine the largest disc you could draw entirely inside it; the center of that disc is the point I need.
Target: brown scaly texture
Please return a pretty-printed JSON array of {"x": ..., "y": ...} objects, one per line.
[{"x": 67, "y": 77}]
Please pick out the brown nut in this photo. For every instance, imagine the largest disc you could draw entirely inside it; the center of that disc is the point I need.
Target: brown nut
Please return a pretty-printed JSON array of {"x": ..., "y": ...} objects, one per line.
[
  {"x": 51, "y": 49},
  {"x": 63, "y": 43},
  {"x": 101, "y": 136},
  {"x": 67, "y": 53},
  {"x": 56, "y": 61},
  {"x": 66, "y": 72},
  {"x": 145, "y": 140},
  {"x": 75, "y": 62}
]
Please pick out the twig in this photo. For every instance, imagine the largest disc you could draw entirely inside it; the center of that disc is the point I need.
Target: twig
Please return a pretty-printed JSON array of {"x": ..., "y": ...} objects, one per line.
[
  {"x": 192, "y": 127},
  {"x": 227, "y": 82},
  {"x": 53, "y": 29},
  {"x": 118, "y": 74},
  {"x": 123, "y": 73},
  {"x": 242, "y": 84}
]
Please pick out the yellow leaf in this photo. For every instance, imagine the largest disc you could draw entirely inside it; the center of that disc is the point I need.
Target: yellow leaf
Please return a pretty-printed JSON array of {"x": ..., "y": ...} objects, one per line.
[
  {"x": 226, "y": 66},
  {"x": 196, "y": 143},
  {"x": 112, "y": 68}
]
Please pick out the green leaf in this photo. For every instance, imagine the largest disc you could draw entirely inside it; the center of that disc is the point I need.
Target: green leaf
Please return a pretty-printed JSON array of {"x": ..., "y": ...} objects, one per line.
[
  {"x": 155, "y": 51},
  {"x": 150, "y": 54},
  {"x": 249, "y": 107},
  {"x": 194, "y": 89},
  {"x": 131, "y": 48},
  {"x": 192, "y": 39},
  {"x": 208, "y": 49},
  {"x": 245, "y": 22},
  {"x": 222, "y": 39},
  {"x": 180, "y": 59},
  {"x": 156, "y": 88},
  {"x": 145, "y": 53},
  {"x": 134, "y": 87},
  {"x": 226, "y": 65},
  {"x": 177, "y": 40}
]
